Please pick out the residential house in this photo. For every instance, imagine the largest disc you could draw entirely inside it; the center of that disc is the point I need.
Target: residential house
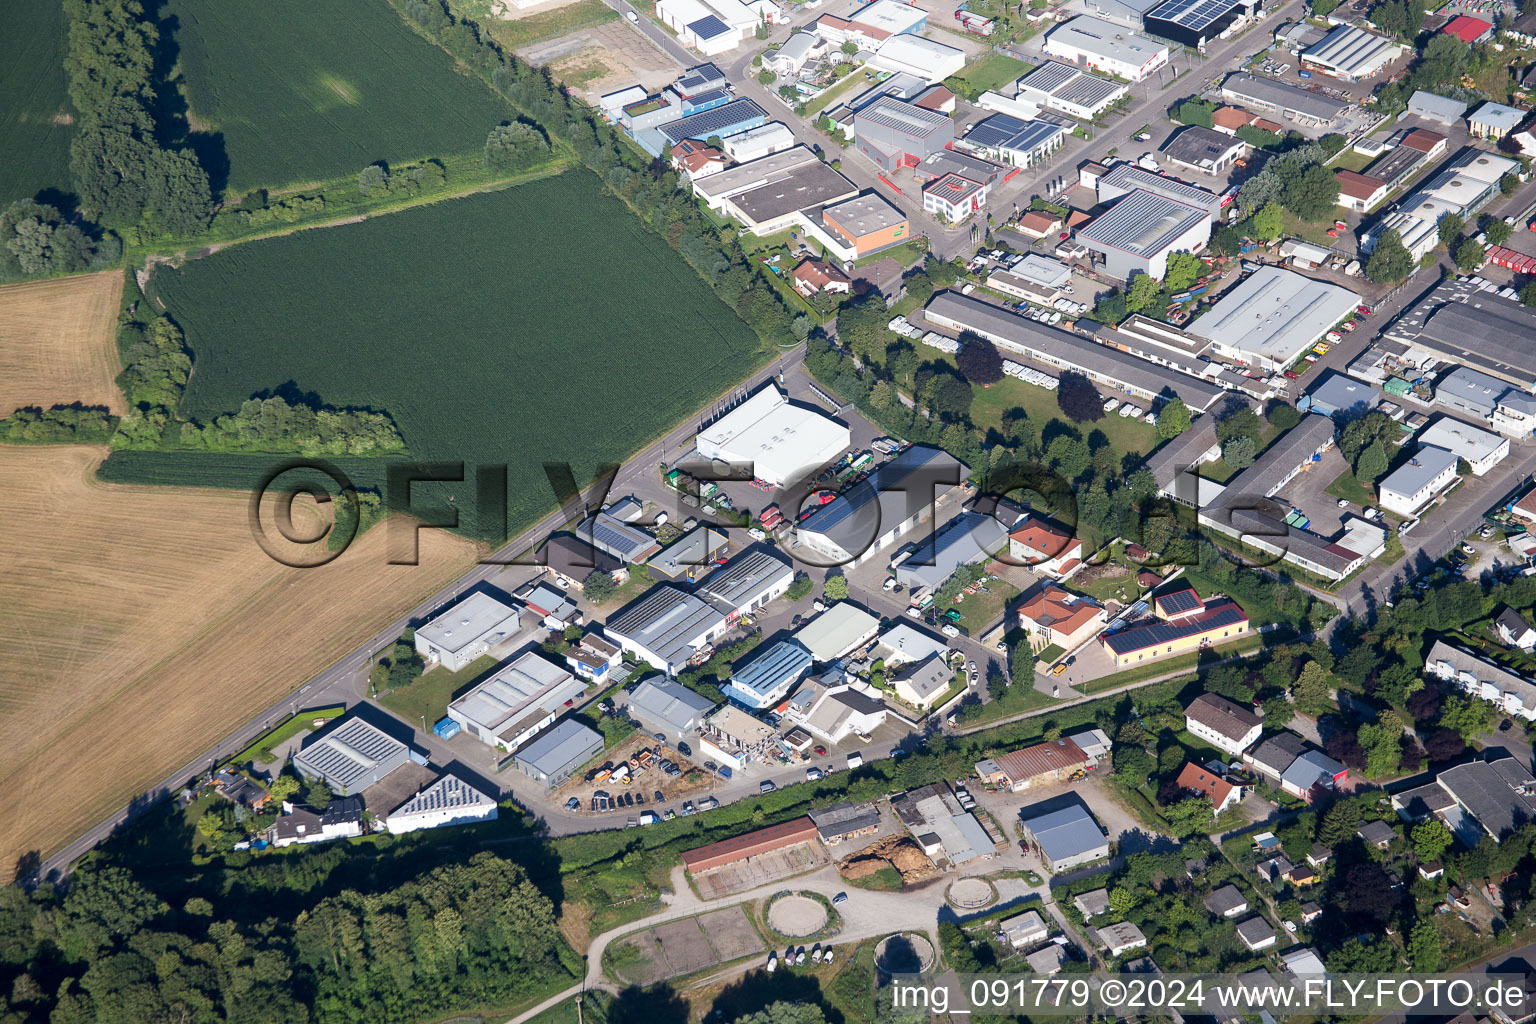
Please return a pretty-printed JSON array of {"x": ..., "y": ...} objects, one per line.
[
  {"x": 1513, "y": 693},
  {"x": 1227, "y": 901},
  {"x": 1223, "y": 724},
  {"x": 1121, "y": 938},
  {"x": 1092, "y": 904},
  {"x": 1221, "y": 793},
  {"x": 1048, "y": 549},
  {"x": 695, "y": 159},
  {"x": 1051, "y": 614},
  {"x": 1514, "y": 630},
  {"x": 812, "y": 277},
  {"x": 1024, "y": 930},
  {"x": 594, "y": 657},
  {"x": 923, "y": 684}
]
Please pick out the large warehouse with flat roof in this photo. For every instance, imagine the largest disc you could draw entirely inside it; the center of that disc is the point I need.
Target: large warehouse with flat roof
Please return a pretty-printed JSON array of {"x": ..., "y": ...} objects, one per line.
[
  {"x": 1197, "y": 22},
  {"x": 1273, "y": 316},
  {"x": 352, "y": 757},
  {"x": 1461, "y": 323},
  {"x": 1105, "y": 47},
  {"x": 513, "y": 705},
  {"x": 870, "y": 516},
  {"x": 1268, "y": 96},
  {"x": 1067, "y": 351},
  {"x": 1351, "y": 53},
  {"x": 1069, "y": 89},
  {"x": 780, "y": 441},
  {"x": 1125, "y": 178},
  {"x": 1138, "y": 233},
  {"x": 767, "y": 194}
]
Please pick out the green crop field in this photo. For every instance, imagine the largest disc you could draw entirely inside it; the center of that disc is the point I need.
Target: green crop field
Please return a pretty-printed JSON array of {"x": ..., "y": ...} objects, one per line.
[
  {"x": 299, "y": 92},
  {"x": 537, "y": 324},
  {"x": 35, "y": 114}
]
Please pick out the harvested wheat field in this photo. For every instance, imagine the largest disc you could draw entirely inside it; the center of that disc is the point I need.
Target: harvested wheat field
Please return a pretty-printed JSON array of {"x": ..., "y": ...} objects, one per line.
[
  {"x": 58, "y": 344},
  {"x": 140, "y": 625}
]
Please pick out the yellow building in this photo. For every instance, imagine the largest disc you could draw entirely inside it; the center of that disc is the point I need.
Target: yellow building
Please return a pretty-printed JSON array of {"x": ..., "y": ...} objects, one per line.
[{"x": 1182, "y": 623}]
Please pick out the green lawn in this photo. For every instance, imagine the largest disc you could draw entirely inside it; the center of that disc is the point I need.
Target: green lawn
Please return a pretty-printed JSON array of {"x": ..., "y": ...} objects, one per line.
[
  {"x": 980, "y": 612},
  {"x": 1353, "y": 161},
  {"x": 1049, "y": 654},
  {"x": 1315, "y": 233},
  {"x": 428, "y": 697},
  {"x": 1016, "y": 699},
  {"x": 1394, "y": 550},
  {"x": 907, "y": 253},
  {"x": 829, "y": 97},
  {"x": 1350, "y": 489},
  {"x": 1161, "y": 666},
  {"x": 992, "y": 70},
  {"x": 1112, "y": 588},
  {"x": 1126, "y": 435},
  {"x": 260, "y": 750}
]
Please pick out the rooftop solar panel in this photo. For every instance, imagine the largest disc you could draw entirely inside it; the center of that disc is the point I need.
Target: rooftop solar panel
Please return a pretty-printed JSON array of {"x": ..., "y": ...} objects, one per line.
[
  {"x": 1192, "y": 14},
  {"x": 1139, "y": 638},
  {"x": 1179, "y": 601}
]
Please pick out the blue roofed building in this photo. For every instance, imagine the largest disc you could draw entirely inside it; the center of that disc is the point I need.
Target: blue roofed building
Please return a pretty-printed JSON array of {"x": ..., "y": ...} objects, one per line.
[
  {"x": 721, "y": 121},
  {"x": 1341, "y": 397},
  {"x": 971, "y": 537},
  {"x": 768, "y": 678}
]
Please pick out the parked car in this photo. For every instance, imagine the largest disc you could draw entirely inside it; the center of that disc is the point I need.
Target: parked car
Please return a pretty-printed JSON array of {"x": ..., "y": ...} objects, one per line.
[
  {"x": 634, "y": 19},
  {"x": 812, "y": 774},
  {"x": 765, "y": 787},
  {"x": 840, "y": 898},
  {"x": 573, "y": 804}
]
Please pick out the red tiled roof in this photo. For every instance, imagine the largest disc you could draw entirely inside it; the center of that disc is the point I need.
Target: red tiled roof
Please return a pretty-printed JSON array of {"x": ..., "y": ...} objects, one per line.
[
  {"x": 1198, "y": 780},
  {"x": 1231, "y": 118},
  {"x": 1041, "y": 759},
  {"x": 1039, "y": 222},
  {"x": 819, "y": 274},
  {"x": 764, "y": 840},
  {"x": 1422, "y": 139},
  {"x": 1045, "y": 538},
  {"x": 1053, "y": 606},
  {"x": 936, "y": 98}
]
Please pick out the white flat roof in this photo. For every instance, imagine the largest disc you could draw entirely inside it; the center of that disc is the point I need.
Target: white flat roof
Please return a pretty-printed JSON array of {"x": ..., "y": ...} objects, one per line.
[
  {"x": 890, "y": 16},
  {"x": 529, "y": 686},
  {"x": 1276, "y": 313},
  {"x": 1461, "y": 439},
  {"x": 779, "y": 439},
  {"x": 466, "y": 622},
  {"x": 836, "y": 631}
]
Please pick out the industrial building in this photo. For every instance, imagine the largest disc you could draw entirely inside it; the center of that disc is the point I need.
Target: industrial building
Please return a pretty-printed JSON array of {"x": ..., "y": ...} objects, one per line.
[
  {"x": 1509, "y": 410},
  {"x": 845, "y": 820},
  {"x": 1039, "y": 765},
  {"x": 1068, "y": 351},
  {"x": 1468, "y": 29},
  {"x": 748, "y": 582},
  {"x": 773, "y": 137},
  {"x": 666, "y": 627},
  {"x": 558, "y": 751},
  {"x": 1434, "y": 107},
  {"x": 904, "y": 643},
  {"x": 732, "y": 737},
  {"x": 736, "y": 849},
  {"x": 521, "y": 699},
  {"x": 1292, "y": 102},
  {"x": 1181, "y": 624},
  {"x": 841, "y": 629},
  {"x": 944, "y": 829},
  {"x": 1341, "y": 397},
  {"x": 968, "y": 538},
  {"x": 1069, "y": 89},
  {"x": 1494, "y": 120},
  {"x": 895, "y": 134},
  {"x": 1242, "y": 509},
  {"x": 714, "y": 26},
  {"x": 351, "y": 757},
  {"x": 466, "y": 631},
  {"x": 720, "y": 122},
  {"x": 1015, "y": 142},
  {"x": 1462, "y": 187},
  {"x": 770, "y": 193},
  {"x": 1125, "y": 178},
  {"x": 1196, "y": 22},
  {"x": 1463, "y": 323},
  {"x": 1480, "y": 449},
  {"x": 1492, "y": 798},
  {"x": 1140, "y": 232},
  {"x": 1360, "y": 192},
  {"x": 953, "y": 197},
  {"x": 865, "y": 224},
  {"x": 1204, "y": 150},
  {"x": 765, "y": 680},
  {"x": 1105, "y": 47},
  {"x": 1066, "y": 838},
  {"x": 832, "y": 713},
  {"x": 448, "y": 801},
  {"x": 1273, "y": 316},
  {"x": 914, "y": 55},
  {"x": 1413, "y": 485},
  {"x": 872, "y": 515},
  {"x": 886, "y": 18},
  {"x": 668, "y": 707},
  {"x": 1351, "y": 53},
  {"x": 781, "y": 442}
]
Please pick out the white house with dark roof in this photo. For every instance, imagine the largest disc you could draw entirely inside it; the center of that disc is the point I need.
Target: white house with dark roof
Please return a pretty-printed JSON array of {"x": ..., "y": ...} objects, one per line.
[{"x": 1222, "y": 724}]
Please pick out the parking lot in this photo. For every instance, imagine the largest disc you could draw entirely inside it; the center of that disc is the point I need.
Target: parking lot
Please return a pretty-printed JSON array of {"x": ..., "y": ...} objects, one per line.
[{"x": 1308, "y": 492}]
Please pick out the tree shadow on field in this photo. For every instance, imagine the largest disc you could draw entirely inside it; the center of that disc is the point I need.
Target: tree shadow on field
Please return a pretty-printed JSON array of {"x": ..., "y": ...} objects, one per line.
[
  {"x": 659, "y": 1004},
  {"x": 174, "y": 119},
  {"x": 758, "y": 989}
]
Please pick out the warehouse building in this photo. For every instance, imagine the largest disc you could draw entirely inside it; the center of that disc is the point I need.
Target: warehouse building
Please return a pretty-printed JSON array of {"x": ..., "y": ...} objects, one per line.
[
  {"x": 1196, "y": 22},
  {"x": 714, "y": 26},
  {"x": 1493, "y": 797},
  {"x": 1351, "y": 53},
  {"x": 942, "y": 827},
  {"x": 1434, "y": 107},
  {"x": 840, "y": 630},
  {"x": 1462, "y": 187},
  {"x": 1069, "y": 90},
  {"x": 1468, "y": 29},
  {"x": 668, "y": 707},
  {"x": 1204, "y": 149},
  {"x": 780, "y": 442},
  {"x": 766, "y": 680},
  {"x": 466, "y": 631},
  {"x": 613, "y": 536},
  {"x": 1039, "y": 765},
  {"x": 1341, "y": 397},
  {"x": 739, "y": 849},
  {"x": 1125, "y": 178},
  {"x": 969, "y": 538},
  {"x": 448, "y": 801},
  {"x": 774, "y": 137},
  {"x": 1273, "y": 316},
  {"x": 1269, "y": 96},
  {"x": 1409, "y": 488},
  {"x": 895, "y": 134},
  {"x": 1494, "y": 120},
  {"x": 1066, "y": 838},
  {"x": 519, "y": 701},
  {"x": 690, "y": 556},
  {"x": 1360, "y": 192},
  {"x": 782, "y": 201},
  {"x": 747, "y": 582},
  {"x": 845, "y": 820},
  {"x": 1105, "y": 47},
  {"x": 1481, "y": 449},
  {"x": 871, "y": 516},
  {"x": 1067, "y": 351},
  {"x": 1140, "y": 232},
  {"x": 1460, "y": 323},
  {"x": 558, "y": 752},
  {"x": 865, "y": 224},
  {"x": 904, "y": 644},
  {"x": 1015, "y": 142},
  {"x": 351, "y": 757},
  {"x": 733, "y": 738},
  {"x": 1509, "y": 410},
  {"x": 914, "y": 55},
  {"x": 666, "y": 627},
  {"x": 720, "y": 122}
]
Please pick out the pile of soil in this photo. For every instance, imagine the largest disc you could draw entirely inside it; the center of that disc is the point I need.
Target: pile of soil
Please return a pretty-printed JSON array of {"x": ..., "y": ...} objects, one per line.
[{"x": 898, "y": 852}]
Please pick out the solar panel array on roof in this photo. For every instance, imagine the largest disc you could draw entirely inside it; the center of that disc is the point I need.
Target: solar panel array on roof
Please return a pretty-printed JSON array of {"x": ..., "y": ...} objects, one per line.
[
  {"x": 1143, "y": 223},
  {"x": 350, "y": 754},
  {"x": 1180, "y": 602},
  {"x": 1051, "y": 75},
  {"x": 1002, "y": 132},
  {"x": 1192, "y": 14},
  {"x": 708, "y": 27},
  {"x": 715, "y": 120},
  {"x": 1155, "y": 634}
]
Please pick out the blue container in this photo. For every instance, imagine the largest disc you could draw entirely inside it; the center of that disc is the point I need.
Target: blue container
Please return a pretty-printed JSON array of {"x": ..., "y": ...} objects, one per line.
[{"x": 447, "y": 728}]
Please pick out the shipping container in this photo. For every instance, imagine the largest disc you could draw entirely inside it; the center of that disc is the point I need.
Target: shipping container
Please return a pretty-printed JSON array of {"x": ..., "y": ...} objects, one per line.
[{"x": 447, "y": 728}]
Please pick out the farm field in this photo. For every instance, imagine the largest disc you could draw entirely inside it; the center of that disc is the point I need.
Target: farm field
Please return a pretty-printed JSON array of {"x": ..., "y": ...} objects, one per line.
[
  {"x": 129, "y": 658},
  {"x": 536, "y": 25},
  {"x": 57, "y": 342},
  {"x": 537, "y": 324},
  {"x": 35, "y": 115},
  {"x": 296, "y": 92}
]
